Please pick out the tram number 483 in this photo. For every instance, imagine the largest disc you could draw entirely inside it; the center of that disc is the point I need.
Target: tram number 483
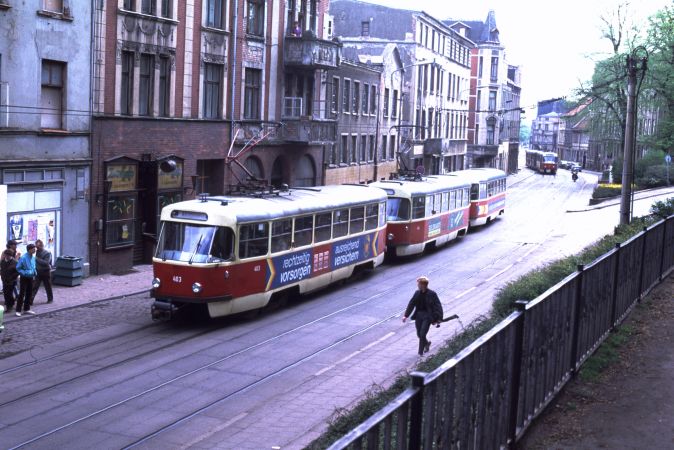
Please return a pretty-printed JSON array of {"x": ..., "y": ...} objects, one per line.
[{"x": 177, "y": 279}]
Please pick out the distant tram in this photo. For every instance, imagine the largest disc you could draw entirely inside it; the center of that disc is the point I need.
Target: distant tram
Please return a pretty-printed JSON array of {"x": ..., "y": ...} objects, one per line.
[
  {"x": 542, "y": 162},
  {"x": 423, "y": 211},
  {"x": 235, "y": 253},
  {"x": 487, "y": 193}
]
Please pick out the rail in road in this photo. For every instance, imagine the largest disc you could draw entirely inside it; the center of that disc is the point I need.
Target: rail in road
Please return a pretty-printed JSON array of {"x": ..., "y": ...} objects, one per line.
[{"x": 130, "y": 382}]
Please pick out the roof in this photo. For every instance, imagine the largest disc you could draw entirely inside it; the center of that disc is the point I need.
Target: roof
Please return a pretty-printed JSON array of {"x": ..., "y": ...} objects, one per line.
[
  {"x": 228, "y": 210},
  {"x": 478, "y": 174},
  {"x": 427, "y": 185},
  {"x": 480, "y": 32}
]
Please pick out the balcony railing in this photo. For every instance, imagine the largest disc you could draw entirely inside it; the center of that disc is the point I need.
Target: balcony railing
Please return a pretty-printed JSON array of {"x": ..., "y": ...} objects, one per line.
[
  {"x": 308, "y": 130},
  {"x": 310, "y": 53}
]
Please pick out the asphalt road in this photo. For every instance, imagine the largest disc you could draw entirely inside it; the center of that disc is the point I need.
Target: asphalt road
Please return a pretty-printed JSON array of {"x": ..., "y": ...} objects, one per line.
[{"x": 105, "y": 376}]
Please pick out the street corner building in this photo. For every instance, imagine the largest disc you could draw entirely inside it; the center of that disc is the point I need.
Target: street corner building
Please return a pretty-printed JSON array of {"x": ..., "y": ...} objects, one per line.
[{"x": 45, "y": 124}]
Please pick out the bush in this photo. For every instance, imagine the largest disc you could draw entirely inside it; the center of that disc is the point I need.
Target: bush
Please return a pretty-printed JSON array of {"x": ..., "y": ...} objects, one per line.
[
  {"x": 663, "y": 209},
  {"x": 653, "y": 176},
  {"x": 606, "y": 191}
]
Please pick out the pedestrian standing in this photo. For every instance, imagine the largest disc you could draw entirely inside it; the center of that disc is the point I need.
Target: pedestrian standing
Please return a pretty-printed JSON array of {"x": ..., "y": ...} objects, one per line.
[
  {"x": 9, "y": 277},
  {"x": 11, "y": 245},
  {"x": 27, "y": 271},
  {"x": 43, "y": 267},
  {"x": 427, "y": 311}
]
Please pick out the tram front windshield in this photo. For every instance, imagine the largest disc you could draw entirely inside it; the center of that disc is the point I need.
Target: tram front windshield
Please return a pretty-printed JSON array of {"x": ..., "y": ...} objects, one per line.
[
  {"x": 550, "y": 158},
  {"x": 397, "y": 209},
  {"x": 192, "y": 243}
]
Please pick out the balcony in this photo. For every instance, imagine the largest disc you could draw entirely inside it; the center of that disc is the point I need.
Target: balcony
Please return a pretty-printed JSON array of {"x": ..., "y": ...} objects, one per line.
[
  {"x": 444, "y": 147},
  {"x": 483, "y": 150},
  {"x": 301, "y": 130},
  {"x": 310, "y": 53}
]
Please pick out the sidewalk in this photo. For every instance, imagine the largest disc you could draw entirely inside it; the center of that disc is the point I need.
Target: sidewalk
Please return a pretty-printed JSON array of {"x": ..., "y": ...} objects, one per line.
[
  {"x": 640, "y": 195},
  {"x": 93, "y": 289}
]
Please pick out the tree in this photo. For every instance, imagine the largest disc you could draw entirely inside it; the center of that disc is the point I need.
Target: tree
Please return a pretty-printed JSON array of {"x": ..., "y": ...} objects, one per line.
[{"x": 525, "y": 133}]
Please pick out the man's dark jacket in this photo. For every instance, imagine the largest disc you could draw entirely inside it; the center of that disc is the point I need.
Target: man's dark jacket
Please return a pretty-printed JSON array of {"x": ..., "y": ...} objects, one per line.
[
  {"x": 43, "y": 262},
  {"x": 425, "y": 305},
  {"x": 8, "y": 270}
]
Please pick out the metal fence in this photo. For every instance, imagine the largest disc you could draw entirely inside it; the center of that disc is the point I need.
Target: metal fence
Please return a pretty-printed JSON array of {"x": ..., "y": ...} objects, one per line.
[{"x": 488, "y": 394}]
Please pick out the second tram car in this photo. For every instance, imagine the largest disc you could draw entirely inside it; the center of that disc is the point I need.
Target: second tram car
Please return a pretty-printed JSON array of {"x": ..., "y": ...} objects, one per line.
[
  {"x": 233, "y": 253},
  {"x": 487, "y": 193},
  {"x": 543, "y": 162},
  {"x": 423, "y": 211}
]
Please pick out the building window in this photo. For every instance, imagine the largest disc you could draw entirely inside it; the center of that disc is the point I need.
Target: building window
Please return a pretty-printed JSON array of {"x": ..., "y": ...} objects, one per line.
[
  {"x": 166, "y": 8},
  {"x": 164, "y": 86},
  {"x": 345, "y": 149},
  {"x": 130, "y": 5},
  {"x": 51, "y": 98},
  {"x": 479, "y": 67},
  {"x": 386, "y": 98},
  {"x": 392, "y": 147},
  {"x": 384, "y": 146},
  {"x": 313, "y": 15},
  {"x": 216, "y": 11},
  {"x": 394, "y": 106},
  {"x": 251, "y": 98},
  {"x": 212, "y": 90},
  {"x": 492, "y": 100},
  {"x": 491, "y": 128},
  {"x": 346, "y": 100},
  {"x": 255, "y": 17},
  {"x": 365, "y": 28},
  {"x": 366, "y": 99},
  {"x": 356, "y": 97},
  {"x": 147, "y": 6},
  {"x": 494, "y": 69},
  {"x": 373, "y": 100},
  {"x": 126, "y": 101},
  {"x": 354, "y": 148},
  {"x": 146, "y": 85},
  {"x": 363, "y": 147},
  {"x": 53, "y": 5},
  {"x": 371, "y": 148},
  {"x": 335, "y": 95}
]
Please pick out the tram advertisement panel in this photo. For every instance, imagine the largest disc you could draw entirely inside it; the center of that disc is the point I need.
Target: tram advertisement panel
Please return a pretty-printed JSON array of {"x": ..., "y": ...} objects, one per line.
[
  {"x": 297, "y": 266},
  {"x": 457, "y": 220},
  {"x": 434, "y": 227}
]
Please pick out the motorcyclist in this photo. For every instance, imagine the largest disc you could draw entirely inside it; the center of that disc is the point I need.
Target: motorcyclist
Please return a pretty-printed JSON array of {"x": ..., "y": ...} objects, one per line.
[{"x": 574, "y": 174}]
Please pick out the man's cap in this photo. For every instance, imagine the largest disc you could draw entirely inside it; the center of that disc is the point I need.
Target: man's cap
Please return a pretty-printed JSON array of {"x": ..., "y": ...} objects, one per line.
[
  {"x": 12, "y": 242},
  {"x": 422, "y": 279}
]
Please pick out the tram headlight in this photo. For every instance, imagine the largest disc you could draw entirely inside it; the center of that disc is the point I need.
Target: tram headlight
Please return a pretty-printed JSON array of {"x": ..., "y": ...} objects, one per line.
[
  {"x": 390, "y": 236},
  {"x": 156, "y": 282},
  {"x": 196, "y": 288}
]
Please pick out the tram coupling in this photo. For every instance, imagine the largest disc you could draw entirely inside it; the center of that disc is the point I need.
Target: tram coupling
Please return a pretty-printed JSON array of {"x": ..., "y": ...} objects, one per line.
[{"x": 162, "y": 310}]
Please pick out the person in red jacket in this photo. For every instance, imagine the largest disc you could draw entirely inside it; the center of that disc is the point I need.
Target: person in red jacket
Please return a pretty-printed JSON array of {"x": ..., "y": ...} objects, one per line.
[{"x": 427, "y": 311}]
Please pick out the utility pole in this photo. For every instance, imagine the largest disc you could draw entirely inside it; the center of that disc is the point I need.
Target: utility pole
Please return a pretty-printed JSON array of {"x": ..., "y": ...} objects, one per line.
[{"x": 630, "y": 135}]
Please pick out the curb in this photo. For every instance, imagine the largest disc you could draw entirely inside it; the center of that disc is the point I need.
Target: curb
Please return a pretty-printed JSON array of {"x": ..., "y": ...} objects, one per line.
[
  {"x": 12, "y": 318},
  {"x": 612, "y": 203}
]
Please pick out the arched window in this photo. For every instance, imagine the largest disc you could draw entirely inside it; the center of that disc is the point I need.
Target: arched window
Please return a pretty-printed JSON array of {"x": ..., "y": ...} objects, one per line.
[
  {"x": 254, "y": 166},
  {"x": 305, "y": 172},
  {"x": 277, "y": 177}
]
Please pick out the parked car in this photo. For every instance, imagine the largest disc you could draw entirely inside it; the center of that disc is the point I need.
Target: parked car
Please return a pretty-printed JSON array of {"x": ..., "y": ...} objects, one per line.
[
  {"x": 564, "y": 164},
  {"x": 574, "y": 166}
]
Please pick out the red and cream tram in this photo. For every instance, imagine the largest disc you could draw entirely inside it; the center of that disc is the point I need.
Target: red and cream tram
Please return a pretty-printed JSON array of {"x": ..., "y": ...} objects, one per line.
[
  {"x": 543, "y": 162},
  {"x": 423, "y": 211},
  {"x": 232, "y": 253},
  {"x": 487, "y": 193}
]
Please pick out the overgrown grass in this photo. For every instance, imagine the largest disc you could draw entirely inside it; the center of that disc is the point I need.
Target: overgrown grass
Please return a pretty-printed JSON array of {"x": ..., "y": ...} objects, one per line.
[
  {"x": 527, "y": 287},
  {"x": 606, "y": 355}
]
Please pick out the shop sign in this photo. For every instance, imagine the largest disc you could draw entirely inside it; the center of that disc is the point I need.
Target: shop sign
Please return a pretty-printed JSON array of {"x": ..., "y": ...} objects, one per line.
[{"x": 122, "y": 177}]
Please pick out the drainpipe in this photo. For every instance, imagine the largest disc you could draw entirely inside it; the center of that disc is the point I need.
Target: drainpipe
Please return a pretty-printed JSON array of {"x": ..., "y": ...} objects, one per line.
[
  {"x": 232, "y": 80},
  {"x": 376, "y": 135}
]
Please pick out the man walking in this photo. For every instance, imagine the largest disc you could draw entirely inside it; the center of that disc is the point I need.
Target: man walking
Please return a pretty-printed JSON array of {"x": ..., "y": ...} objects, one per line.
[
  {"x": 427, "y": 310},
  {"x": 9, "y": 277},
  {"x": 26, "y": 268},
  {"x": 43, "y": 266}
]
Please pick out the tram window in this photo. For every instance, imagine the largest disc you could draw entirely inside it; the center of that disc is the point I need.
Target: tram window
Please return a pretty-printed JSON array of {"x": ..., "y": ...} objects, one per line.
[
  {"x": 466, "y": 198},
  {"x": 340, "y": 223},
  {"x": 356, "y": 220},
  {"x": 474, "y": 191},
  {"x": 371, "y": 220},
  {"x": 253, "y": 240},
  {"x": 429, "y": 206},
  {"x": 483, "y": 190},
  {"x": 490, "y": 189},
  {"x": 323, "y": 226},
  {"x": 452, "y": 200},
  {"x": 437, "y": 203},
  {"x": 223, "y": 245},
  {"x": 445, "y": 201},
  {"x": 459, "y": 198},
  {"x": 397, "y": 209},
  {"x": 304, "y": 227},
  {"x": 382, "y": 213},
  {"x": 418, "y": 207},
  {"x": 185, "y": 242},
  {"x": 281, "y": 235}
]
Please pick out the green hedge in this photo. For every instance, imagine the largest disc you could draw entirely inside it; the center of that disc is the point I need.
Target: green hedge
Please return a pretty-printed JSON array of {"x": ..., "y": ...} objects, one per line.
[{"x": 603, "y": 191}]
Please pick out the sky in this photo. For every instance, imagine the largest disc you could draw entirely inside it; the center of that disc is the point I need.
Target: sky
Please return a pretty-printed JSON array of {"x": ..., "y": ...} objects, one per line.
[{"x": 555, "y": 42}]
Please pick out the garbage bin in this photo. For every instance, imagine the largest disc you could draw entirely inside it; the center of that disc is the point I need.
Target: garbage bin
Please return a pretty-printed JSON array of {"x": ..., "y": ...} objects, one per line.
[{"x": 69, "y": 271}]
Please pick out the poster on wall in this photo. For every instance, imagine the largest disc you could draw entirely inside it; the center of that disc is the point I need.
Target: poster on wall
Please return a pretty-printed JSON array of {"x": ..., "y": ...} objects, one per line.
[{"x": 26, "y": 228}]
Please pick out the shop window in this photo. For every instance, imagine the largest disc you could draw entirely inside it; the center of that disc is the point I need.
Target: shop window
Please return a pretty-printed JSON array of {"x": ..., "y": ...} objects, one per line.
[
  {"x": 120, "y": 220},
  {"x": 51, "y": 99},
  {"x": 253, "y": 240},
  {"x": 281, "y": 235},
  {"x": 304, "y": 228},
  {"x": 251, "y": 99},
  {"x": 323, "y": 226},
  {"x": 255, "y": 17},
  {"x": 212, "y": 90},
  {"x": 340, "y": 223},
  {"x": 356, "y": 219}
]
